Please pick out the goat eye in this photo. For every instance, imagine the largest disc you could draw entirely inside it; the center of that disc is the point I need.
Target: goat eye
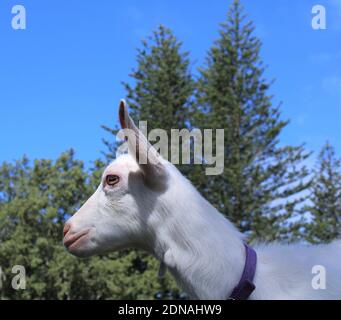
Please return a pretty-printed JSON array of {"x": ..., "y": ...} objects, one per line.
[{"x": 111, "y": 180}]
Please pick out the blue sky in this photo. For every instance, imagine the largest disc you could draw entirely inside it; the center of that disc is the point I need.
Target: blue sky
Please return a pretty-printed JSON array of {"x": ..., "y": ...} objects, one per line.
[{"x": 60, "y": 79}]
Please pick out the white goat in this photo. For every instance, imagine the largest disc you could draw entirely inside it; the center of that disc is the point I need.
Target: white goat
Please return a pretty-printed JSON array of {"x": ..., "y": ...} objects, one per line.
[{"x": 153, "y": 207}]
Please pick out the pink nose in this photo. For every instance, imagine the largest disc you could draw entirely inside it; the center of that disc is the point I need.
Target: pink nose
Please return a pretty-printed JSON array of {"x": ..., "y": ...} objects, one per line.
[{"x": 67, "y": 227}]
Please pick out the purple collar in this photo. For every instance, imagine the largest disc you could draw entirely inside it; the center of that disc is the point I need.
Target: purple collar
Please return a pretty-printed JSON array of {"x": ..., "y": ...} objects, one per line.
[{"x": 246, "y": 286}]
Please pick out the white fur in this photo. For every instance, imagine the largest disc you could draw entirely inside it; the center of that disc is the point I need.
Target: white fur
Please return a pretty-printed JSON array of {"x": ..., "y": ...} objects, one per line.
[{"x": 200, "y": 247}]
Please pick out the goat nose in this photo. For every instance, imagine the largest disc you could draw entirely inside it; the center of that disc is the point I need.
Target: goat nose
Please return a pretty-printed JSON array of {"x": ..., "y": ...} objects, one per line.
[{"x": 67, "y": 227}]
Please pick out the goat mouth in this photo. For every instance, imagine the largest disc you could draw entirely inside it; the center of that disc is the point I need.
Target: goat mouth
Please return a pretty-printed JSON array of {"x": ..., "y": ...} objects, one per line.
[{"x": 74, "y": 239}]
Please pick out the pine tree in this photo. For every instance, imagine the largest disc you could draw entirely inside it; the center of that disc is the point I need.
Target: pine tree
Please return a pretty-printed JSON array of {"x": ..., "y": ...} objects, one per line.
[
  {"x": 163, "y": 86},
  {"x": 259, "y": 175},
  {"x": 325, "y": 207}
]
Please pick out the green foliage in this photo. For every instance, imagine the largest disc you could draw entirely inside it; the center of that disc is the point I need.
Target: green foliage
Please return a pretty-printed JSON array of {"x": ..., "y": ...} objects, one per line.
[{"x": 325, "y": 206}]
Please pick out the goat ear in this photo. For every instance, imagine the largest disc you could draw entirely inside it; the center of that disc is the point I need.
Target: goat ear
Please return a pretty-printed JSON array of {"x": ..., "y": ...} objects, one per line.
[{"x": 144, "y": 153}]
